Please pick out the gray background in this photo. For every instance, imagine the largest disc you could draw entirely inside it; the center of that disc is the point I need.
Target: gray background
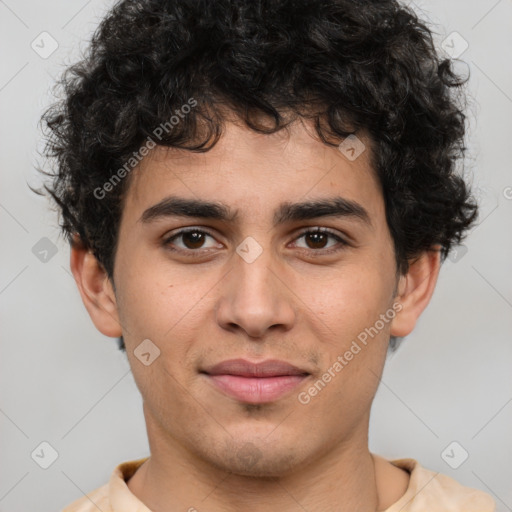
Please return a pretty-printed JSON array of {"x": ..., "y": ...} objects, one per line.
[{"x": 64, "y": 383}]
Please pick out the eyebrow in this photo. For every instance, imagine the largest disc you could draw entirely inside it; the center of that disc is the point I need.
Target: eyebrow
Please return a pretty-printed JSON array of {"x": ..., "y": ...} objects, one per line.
[{"x": 174, "y": 206}]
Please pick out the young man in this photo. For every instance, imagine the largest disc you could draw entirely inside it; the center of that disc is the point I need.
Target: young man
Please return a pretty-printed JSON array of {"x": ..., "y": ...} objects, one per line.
[{"x": 259, "y": 196}]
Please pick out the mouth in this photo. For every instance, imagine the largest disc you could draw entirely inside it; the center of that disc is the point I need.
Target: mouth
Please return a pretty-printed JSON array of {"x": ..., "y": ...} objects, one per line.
[{"x": 255, "y": 383}]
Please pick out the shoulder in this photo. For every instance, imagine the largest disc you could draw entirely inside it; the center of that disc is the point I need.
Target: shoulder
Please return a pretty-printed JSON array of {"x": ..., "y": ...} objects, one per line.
[
  {"x": 114, "y": 495},
  {"x": 429, "y": 490},
  {"x": 92, "y": 502}
]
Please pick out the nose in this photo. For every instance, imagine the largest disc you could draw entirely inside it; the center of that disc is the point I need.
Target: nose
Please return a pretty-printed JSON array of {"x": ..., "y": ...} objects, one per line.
[{"x": 255, "y": 297}]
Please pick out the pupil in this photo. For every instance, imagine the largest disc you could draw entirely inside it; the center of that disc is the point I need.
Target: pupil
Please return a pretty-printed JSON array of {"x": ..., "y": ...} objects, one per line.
[
  {"x": 316, "y": 236},
  {"x": 194, "y": 237}
]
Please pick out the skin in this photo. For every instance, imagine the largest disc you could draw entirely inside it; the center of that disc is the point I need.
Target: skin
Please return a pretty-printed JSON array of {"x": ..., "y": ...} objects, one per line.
[{"x": 294, "y": 303}]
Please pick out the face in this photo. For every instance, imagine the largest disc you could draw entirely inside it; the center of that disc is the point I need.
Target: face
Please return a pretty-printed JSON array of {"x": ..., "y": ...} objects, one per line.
[{"x": 255, "y": 282}]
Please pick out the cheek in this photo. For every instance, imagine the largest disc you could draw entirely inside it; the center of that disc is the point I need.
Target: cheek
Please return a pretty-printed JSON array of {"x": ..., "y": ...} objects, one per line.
[
  {"x": 346, "y": 321},
  {"x": 154, "y": 296},
  {"x": 346, "y": 300},
  {"x": 352, "y": 363},
  {"x": 172, "y": 311}
]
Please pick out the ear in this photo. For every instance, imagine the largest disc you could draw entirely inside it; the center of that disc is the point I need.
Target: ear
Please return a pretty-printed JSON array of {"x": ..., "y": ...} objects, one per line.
[
  {"x": 415, "y": 290},
  {"x": 96, "y": 289}
]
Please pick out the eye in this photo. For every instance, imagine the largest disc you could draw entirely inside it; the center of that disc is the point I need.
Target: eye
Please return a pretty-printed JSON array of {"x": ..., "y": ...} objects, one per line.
[
  {"x": 318, "y": 237},
  {"x": 193, "y": 239}
]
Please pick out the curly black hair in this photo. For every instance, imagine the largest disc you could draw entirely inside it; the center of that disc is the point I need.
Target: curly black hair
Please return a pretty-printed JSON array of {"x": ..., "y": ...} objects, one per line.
[{"x": 350, "y": 66}]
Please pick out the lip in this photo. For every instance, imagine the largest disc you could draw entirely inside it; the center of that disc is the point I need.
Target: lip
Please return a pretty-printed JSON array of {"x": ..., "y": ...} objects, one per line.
[{"x": 260, "y": 382}]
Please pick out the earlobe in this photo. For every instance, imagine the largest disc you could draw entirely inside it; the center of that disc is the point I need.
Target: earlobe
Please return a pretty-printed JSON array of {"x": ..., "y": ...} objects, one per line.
[
  {"x": 95, "y": 289},
  {"x": 415, "y": 290}
]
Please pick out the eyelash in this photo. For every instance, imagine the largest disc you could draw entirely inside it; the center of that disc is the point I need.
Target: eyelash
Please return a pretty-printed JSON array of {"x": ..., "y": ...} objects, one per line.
[{"x": 197, "y": 252}]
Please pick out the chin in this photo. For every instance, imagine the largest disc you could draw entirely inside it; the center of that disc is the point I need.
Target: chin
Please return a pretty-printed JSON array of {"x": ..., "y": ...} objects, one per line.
[{"x": 256, "y": 460}]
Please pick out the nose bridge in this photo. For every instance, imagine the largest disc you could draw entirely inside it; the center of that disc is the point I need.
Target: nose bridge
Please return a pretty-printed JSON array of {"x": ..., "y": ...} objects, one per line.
[
  {"x": 254, "y": 272},
  {"x": 255, "y": 297}
]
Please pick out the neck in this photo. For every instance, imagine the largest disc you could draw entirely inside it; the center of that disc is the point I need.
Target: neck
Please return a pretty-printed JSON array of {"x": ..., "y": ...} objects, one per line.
[{"x": 347, "y": 478}]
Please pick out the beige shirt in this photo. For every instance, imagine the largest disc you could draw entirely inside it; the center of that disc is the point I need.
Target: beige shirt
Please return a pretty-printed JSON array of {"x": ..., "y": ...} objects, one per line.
[{"x": 427, "y": 492}]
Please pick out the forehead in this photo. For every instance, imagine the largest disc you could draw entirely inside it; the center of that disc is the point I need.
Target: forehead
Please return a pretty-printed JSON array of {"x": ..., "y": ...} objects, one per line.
[{"x": 253, "y": 173}]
